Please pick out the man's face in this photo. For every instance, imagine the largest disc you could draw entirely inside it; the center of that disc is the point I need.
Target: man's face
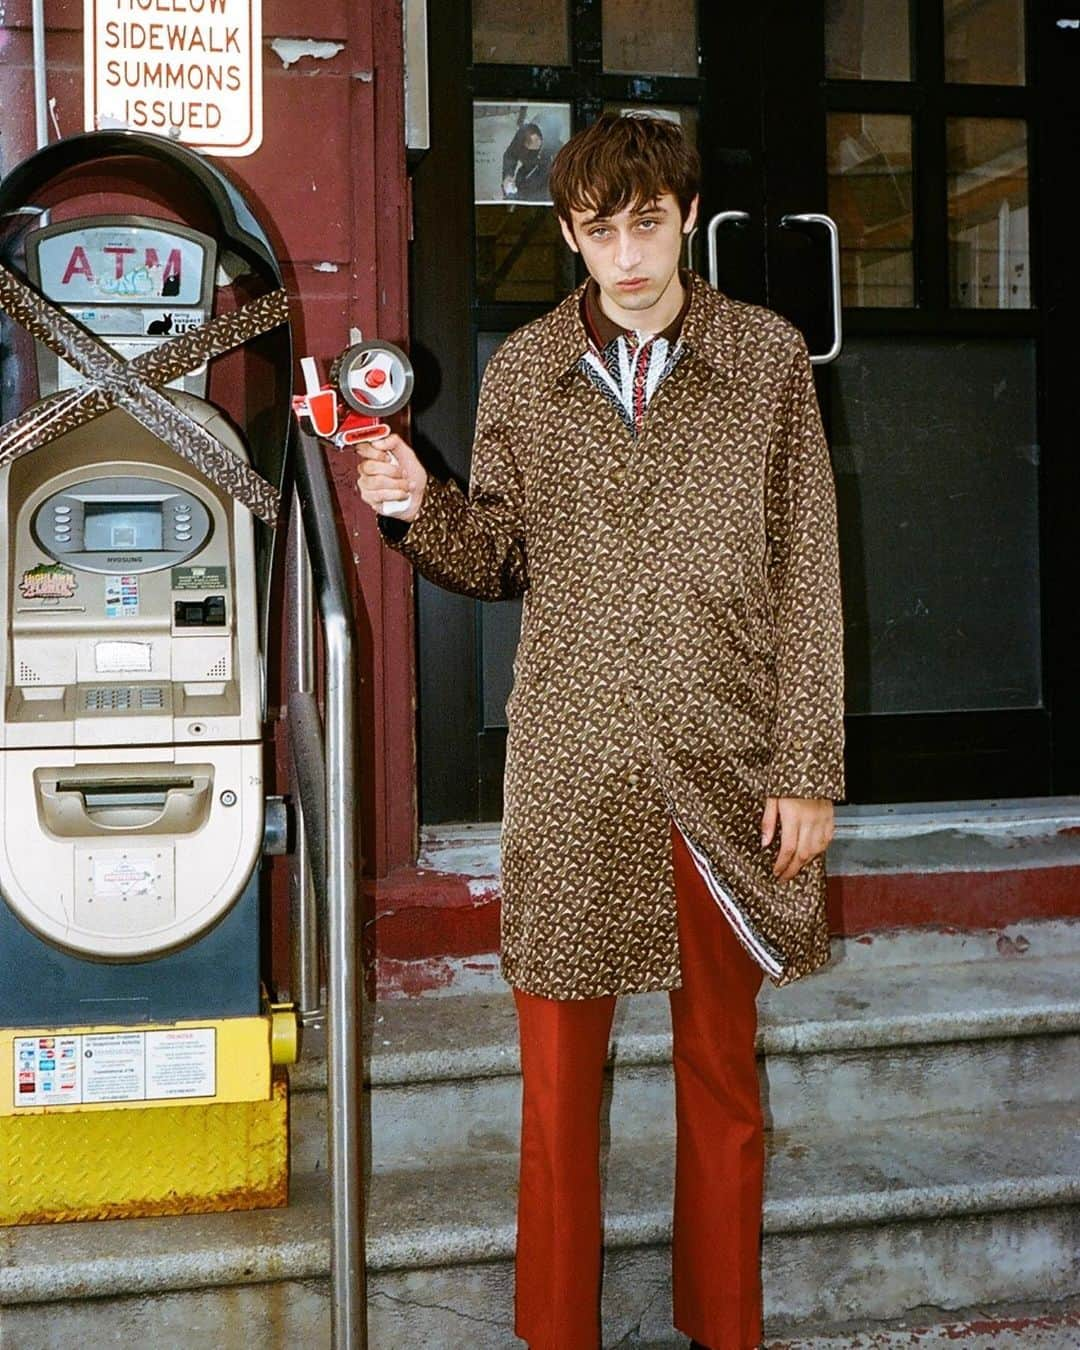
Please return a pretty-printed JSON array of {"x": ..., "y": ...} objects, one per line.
[
  {"x": 533, "y": 141},
  {"x": 634, "y": 255}
]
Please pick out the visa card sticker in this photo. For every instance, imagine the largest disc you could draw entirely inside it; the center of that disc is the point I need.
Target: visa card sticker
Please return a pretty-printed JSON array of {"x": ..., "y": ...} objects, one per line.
[
  {"x": 122, "y": 597},
  {"x": 48, "y": 1070}
]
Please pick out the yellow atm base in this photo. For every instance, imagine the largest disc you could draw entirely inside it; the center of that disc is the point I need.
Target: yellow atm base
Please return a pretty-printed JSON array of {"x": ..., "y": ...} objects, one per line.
[{"x": 103, "y": 1161}]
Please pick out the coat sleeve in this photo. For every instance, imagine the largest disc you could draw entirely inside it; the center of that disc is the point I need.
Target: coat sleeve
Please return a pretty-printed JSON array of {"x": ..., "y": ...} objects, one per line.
[
  {"x": 803, "y": 579},
  {"x": 473, "y": 544}
]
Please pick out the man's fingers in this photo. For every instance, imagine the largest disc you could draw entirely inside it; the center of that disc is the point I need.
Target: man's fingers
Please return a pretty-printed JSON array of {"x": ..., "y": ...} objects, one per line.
[
  {"x": 381, "y": 475},
  {"x": 787, "y": 850},
  {"x": 807, "y": 843},
  {"x": 379, "y": 449}
]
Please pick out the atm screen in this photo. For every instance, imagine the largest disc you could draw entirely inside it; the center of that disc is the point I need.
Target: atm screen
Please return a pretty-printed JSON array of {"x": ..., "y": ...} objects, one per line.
[{"x": 112, "y": 525}]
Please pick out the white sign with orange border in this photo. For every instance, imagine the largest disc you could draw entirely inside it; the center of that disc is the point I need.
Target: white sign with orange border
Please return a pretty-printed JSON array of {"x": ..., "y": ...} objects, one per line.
[{"x": 187, "y": 69}]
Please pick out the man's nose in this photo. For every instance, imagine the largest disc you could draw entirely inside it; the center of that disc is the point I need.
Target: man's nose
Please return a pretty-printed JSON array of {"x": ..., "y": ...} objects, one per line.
[{"x": 629, "y": 252}]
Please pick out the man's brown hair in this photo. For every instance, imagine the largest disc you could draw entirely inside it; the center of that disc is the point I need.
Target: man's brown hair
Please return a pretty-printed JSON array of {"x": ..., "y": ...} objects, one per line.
[{"x": 623, "y": 161}]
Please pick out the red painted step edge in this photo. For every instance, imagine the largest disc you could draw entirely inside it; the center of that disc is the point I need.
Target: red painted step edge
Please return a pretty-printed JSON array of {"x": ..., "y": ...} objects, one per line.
[
  {"x": 423, "y": 915},
  {"x": 979, "y": 1332}
]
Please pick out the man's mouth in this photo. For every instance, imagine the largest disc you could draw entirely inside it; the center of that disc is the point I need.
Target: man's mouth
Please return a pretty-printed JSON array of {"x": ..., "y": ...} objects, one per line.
[{"x": 633, "y": 284}]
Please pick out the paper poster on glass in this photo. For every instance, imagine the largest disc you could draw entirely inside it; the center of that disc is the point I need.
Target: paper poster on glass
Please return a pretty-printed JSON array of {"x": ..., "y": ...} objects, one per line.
[
  {"x": 648, "y": 110},
  {"x": 513, "y": 146}
]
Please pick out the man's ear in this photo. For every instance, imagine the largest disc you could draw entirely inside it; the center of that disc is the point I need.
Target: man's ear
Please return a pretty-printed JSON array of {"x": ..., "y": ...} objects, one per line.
[
  {"x": 568, "y": 235},
  {"x": 691, "y": 215}
]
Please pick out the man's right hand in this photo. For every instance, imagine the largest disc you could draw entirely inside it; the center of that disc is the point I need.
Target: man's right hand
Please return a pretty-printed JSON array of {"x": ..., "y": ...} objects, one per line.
[{"x": 381, "y": 480}]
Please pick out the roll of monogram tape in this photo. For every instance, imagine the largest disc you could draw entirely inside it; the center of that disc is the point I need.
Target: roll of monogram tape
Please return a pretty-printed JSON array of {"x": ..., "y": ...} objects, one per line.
[{"x": 375, "y": 378}]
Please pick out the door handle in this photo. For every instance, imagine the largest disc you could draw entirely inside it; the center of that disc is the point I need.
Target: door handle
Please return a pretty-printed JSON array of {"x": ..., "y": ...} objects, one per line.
[
  {"x": 738, "y": 218},
  {"x": 802, "y": 221}
]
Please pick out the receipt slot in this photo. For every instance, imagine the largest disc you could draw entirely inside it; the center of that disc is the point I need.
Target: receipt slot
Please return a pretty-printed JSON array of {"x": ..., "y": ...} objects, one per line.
[{"x": 136, "y": 535}]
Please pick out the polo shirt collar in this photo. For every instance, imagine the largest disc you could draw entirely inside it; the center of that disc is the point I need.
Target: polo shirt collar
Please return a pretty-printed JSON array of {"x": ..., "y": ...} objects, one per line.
[{"x": 701, "y": 333}]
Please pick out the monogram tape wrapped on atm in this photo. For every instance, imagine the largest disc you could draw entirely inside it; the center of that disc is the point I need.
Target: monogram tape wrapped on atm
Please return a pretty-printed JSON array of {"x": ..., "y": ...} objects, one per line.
[{"x": 119, "y": 383}]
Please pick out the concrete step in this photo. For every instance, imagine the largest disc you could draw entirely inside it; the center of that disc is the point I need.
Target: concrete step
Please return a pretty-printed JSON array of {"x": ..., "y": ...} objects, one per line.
[
  {"x": 964, "y": 1210},
  {"x": 894, "y": 1028},
  {"x": 294, "y": 1313}
]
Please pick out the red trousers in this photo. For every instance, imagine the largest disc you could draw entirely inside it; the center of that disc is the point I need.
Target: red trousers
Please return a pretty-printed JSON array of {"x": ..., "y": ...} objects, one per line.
[{"x": 719, "y": 1155}]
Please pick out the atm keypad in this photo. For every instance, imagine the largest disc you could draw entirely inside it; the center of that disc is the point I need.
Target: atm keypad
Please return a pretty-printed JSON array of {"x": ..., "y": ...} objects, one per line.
[{"x": 124, "y": 698}]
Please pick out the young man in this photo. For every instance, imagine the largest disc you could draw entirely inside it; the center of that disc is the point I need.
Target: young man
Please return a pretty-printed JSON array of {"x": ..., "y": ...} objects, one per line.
[{"x": 651, "y": 475}]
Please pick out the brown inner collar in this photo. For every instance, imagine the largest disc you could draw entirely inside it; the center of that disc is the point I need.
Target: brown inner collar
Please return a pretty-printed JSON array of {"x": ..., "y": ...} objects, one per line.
[{"x": 603, "y": 330}]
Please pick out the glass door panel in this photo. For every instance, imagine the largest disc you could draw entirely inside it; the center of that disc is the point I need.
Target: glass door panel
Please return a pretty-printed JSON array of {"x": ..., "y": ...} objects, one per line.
[
  {"x": 870, "y": 198},
  {"x": 535, "y": 34},
  {"x": 650, "y": 37},
  {"x": 987, "y": 168},
  {"x": 867, "y": 40},
  {"x": 984, "y": 41}
]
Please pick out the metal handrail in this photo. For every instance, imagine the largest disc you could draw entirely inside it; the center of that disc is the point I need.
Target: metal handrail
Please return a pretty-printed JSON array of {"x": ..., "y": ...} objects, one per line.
[{"x": 324, "y": 756}]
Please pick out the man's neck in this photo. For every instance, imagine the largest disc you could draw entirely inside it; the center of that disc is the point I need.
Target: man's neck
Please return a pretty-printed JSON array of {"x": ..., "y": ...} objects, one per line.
[
  {"x": 604, "y": 330},
  {"x": 652, "y": 320}
]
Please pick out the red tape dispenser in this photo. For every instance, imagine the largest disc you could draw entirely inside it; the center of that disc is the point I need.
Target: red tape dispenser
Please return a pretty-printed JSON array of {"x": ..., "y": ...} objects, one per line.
[{"x": 369, "y": 382}]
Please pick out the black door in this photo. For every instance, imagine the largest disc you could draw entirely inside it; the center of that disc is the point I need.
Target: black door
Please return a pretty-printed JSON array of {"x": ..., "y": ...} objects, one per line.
[{"x": 914, "y": 126}]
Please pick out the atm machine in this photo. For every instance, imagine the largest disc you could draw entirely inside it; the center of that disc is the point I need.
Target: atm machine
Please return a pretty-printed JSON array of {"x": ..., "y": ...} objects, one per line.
[{"x": 139, "y": 1054}]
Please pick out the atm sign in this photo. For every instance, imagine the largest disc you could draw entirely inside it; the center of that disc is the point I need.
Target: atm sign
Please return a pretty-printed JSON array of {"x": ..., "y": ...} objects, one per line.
[{"x": 120, "y": 265}]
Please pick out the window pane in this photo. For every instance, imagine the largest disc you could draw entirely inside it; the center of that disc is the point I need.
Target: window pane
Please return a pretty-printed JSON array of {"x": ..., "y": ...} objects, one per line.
[
  {"x": 521, "y": 255},
  {"x": 533, "y": 34},
  {"x": 988, "y": 212},
  {"x": 867, "y": 40},
  {"x": 984, "y": 41},
  {"x": 650, "y": 37},
  {"x": 870, "y": 200},
  {"x": 687, "y": 117}
]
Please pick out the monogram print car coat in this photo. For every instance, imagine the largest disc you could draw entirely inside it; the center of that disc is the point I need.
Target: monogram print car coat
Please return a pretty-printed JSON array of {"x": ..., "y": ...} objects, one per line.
[{"x": 681, "y": 646}]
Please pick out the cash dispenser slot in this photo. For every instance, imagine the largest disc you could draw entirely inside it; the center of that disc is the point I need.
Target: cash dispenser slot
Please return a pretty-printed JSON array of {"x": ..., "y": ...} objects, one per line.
[{"x": 96, "y": 799}]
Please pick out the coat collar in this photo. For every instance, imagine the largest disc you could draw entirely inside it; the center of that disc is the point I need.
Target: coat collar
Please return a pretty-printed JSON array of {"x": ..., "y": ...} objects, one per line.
[{"x": 706, "y": 330}]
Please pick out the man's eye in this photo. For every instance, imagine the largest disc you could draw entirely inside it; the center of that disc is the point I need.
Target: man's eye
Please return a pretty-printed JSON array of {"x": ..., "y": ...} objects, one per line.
[
  {"x": 597, "y": 234},
  {"x": 647, "y": 224}
]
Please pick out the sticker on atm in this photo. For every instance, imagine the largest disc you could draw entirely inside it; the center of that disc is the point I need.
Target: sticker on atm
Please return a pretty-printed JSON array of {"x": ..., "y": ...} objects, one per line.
[
  {"x": 118, "y": 1066},
  {"x": 120, "y": 875},
  {"x": 47, "y": 1070},
  {"x": 200, "y": 578},
  {"x": 48, "y": 581},
  {"x": 172, "y": 322},
  {"x": 122, "y": 597}
]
